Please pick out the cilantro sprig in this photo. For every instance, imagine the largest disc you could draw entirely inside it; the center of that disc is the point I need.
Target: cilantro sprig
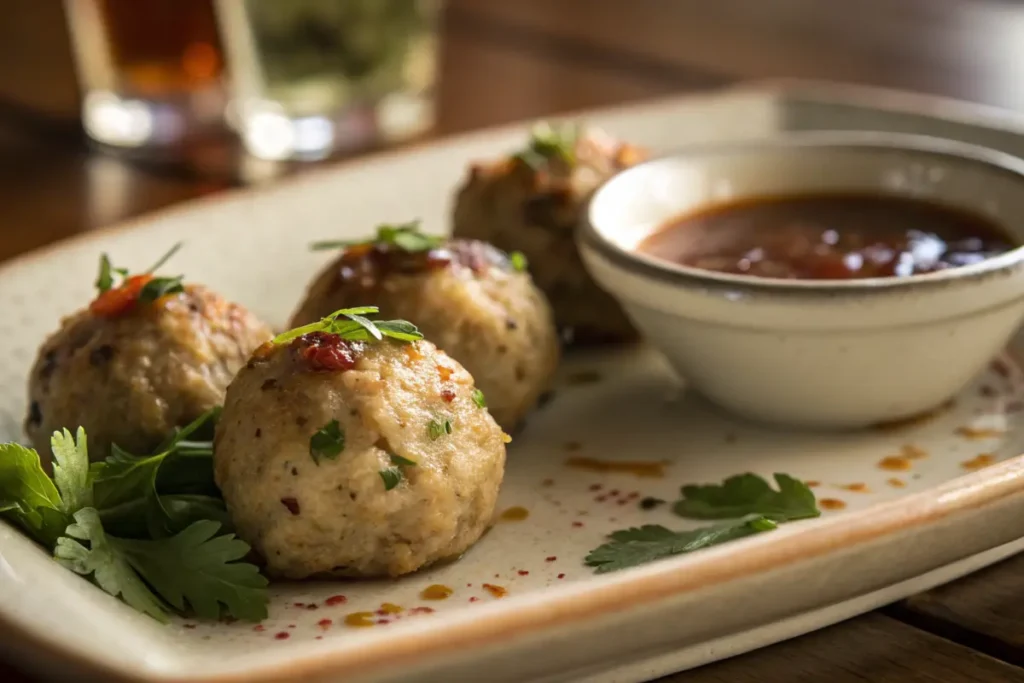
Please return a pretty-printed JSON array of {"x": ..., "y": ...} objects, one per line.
[
  {"x": 352, "y": 325},
  {"x": 747, "y": 500},
  {"x": 549, "y": 142},
  {"x": 327, "y": 442},
  {"x": 746, "y": 494},
  {"x": 110, "y": 277},
  {"x": 147, "y": 529},
  {"x": 405, "y": 236}
]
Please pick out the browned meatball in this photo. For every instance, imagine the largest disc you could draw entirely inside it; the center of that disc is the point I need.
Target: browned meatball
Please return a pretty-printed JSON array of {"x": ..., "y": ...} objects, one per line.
[
  {"x": 532, "y": 203},
  {"x": 466, "y": 296},
  {"x": 131, "y": 378}
]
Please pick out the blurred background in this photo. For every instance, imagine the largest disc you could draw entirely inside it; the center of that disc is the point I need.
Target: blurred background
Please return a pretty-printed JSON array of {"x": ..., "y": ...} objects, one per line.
[{"x": 112, "y": 108}]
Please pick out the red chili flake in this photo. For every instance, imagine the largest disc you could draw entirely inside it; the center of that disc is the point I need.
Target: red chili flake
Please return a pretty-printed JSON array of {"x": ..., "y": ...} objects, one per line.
[
  {"x": 448, "y": 395},
  {"x": 561, "y": 576},
  {"x": 550, "y": 558},
  {"x": 319, "y": 638},
  {"x": 299, "y": 604},
  {"x": 523, "y": 572},
  {"x": 633, "y": 495},
  {"x": 324, "y": 623},
  {"x": 623, "y": 501},
  {"x": 283, "y": 635},
  {"x": 577, "y": 524},
  {"x": 474, "y": 599},
  {"x": 595, "y": 487},
  {"x": 115, "y": 302},
  {"x": 259, "y": 628},
  {"x": 335, "y": 600},
  {"x": 469, "y": 585},
  {"x": 324, "y": 352},
  {"x": 291, "y": 625},
  {"x": 311, "y": 606},
  {"x": 189, "y": 626},
  {"x": 383, "y": 622},
  {"x": 291, "y": 504},
  {"x": 421, "y": 610}
]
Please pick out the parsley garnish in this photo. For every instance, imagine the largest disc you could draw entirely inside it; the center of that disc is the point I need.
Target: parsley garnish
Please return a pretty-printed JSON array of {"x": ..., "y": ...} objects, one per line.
[
  {"x": 399, "y": 460},
  {"x": 391, "y": 477},
  {"x": 144, "y": 528},
  {"x": 351, "y": 325},
  {"x": 438, "y": 428},
  {"x": 327, "y": 442},
  {"x": 151, "y": 292},
  {"x": 639, "y": 545},
  {"x": 548, "y": 142},
  {"x": 479, "y": 399},
  {"x": 405, "y": 236},
  {"x": 747, "y": 494},
  {"x": 518, "y": 261}
]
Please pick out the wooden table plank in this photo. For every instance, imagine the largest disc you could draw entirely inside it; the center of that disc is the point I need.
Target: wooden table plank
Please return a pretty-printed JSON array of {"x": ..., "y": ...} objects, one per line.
[
  {"x": 869, "y": 649},
  {"x": 984, "y": 610}
]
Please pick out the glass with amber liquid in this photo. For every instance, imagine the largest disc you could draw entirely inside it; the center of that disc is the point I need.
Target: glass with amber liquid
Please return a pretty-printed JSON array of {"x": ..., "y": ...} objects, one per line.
[
  {"x": 311, "y": 77},
  {"x": 151, "y": 71}
]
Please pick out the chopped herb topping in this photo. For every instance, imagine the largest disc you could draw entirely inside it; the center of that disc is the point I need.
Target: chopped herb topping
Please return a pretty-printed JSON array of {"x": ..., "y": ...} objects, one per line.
[
  {"x": 399, "y": 460},
  {"x": 518, "y": 261},
  {"x": 479, "y": 399},
  {"x": 405, "y": 236},
  {"x": 327, "y": 442},
  {"x": 161, "y": 286},
  {"x": 640, "y": 545},
  {"x": 748, "y": 494},
  {"x": 392, "y": 477},
  {"x": 549, "y": 142},
  {"x": 119, "y": 294},
  {"x": 438, "y": 428},
  {"x": 351, "y": 325}
]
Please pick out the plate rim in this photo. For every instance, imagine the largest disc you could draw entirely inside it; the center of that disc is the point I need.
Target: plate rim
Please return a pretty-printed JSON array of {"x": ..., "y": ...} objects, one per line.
[{"x": 957, "y": 497}]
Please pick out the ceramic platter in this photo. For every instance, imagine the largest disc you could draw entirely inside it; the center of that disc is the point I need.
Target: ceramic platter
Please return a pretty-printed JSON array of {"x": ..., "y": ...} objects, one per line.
[{"x": 906, "y": 506}]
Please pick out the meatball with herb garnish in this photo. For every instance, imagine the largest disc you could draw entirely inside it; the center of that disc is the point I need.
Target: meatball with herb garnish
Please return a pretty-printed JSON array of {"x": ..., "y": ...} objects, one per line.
[
  {"x": 149, "y": 354},
  {"x": 532, "y": 202},
  {"x": 351, "y": 448},
  {"x": 471, "y": 299}
]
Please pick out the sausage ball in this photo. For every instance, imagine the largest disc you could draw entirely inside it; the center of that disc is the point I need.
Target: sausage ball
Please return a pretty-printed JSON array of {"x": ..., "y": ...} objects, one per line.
[
  {"x": 466, "y": 296},
  {"x": 356, "y": 459},
  {"x": 532, "y": 203},
  {"x": 130, "y": 371}
]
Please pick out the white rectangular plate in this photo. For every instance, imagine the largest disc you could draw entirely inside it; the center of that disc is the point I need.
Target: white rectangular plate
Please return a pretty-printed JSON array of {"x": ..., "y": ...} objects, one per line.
[{"x": 558, "y": 622}]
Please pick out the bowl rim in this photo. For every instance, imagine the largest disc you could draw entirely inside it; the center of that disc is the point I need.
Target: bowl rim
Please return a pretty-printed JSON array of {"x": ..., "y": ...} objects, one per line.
[{"x": 991, "y": 160}]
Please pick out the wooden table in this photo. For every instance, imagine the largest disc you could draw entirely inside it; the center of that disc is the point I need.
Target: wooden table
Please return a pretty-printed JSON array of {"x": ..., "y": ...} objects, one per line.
[{"x": 508, "y": 61}]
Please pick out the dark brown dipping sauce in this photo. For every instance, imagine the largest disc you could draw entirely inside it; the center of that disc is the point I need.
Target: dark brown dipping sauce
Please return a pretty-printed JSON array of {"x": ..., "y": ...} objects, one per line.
[{"x": 828, "y": 237}]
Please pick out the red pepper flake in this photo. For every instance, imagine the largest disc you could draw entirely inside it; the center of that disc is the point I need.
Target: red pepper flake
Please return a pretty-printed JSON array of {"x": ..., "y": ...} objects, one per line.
[
  {"x": 115, "y": 302},
  {"x": 312, "y": 606},
  {"x": 189, "y": 626},
  {"x": 561, "y": 576},
  {"x": 259, "y": 628},
  {"x": 325, "y": 352},
  {"x": 300, "y": 605},
  {"x": 523, "y": 572},
  {"x": 448, "y": 395},
  {"x": 550, "y": 558},
  {"x": 595, "y": 487},
  {"x": 383, "y": 622},
  {"x": 633, "y": 495},
  {"x": 319, "y": 638},
  {"x": 577, "y": 524},
  {"x": 283, "y": 635},
  {"x": 291, "y": 504},
  {"x": 421, "y": 610},
  {"x": 324, "y": 623},
  {"x": 474, "y": 599},
  {"x": 335, "y": 600}
]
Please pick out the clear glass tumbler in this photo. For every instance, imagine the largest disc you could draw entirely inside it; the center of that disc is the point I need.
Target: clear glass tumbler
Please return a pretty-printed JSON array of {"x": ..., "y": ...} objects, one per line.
[{"x": 311, "y": 77}]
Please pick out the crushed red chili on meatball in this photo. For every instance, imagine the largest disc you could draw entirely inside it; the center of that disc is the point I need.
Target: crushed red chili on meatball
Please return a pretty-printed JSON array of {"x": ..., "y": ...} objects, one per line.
[{"x": 326, "y": 352}]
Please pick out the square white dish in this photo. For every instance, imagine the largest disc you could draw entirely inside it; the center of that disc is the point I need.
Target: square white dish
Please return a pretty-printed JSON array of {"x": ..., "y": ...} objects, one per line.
[{"x": 558, "y": 621}]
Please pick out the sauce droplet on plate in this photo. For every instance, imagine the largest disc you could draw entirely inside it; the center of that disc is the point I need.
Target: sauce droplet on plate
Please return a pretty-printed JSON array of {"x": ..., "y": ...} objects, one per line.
[
  {"x": 856, "y": 487},
  {"x": 979, "y": 461},
  {"x": 648, "y": 469},
  {"x": 436, "y": 591},
  {"x": 831, "y": 504},
  {"x": 979, "y": 432},
  {"x": 896, "y": 483},
  {"x": 390, "y": 608},
  {"x": 496, "y": 591},
  {"x": 515, "y": 514},
  {"x": 895, "y": 463},
  {"x": 360, "y": 619}
]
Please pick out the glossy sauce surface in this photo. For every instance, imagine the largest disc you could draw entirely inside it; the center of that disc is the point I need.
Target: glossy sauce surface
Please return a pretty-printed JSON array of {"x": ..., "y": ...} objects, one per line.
[{"x": 828, "y": 237}]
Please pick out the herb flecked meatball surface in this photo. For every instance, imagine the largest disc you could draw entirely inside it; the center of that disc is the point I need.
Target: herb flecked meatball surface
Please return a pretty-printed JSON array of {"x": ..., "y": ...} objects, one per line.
[
  {"x": 146, "y": 356},
  {"x": 342, "y": 455},
  {"x": 474, "y": 301},
  {"x": 532, "y": 202}
]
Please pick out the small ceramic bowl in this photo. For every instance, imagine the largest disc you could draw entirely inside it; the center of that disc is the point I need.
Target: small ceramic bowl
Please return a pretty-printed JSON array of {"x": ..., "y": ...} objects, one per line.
[{"x": 812, "y": 353}]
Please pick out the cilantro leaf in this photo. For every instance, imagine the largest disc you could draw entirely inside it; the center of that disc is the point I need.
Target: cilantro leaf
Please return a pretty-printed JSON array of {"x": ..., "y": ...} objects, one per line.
[
  {"x": 405, "y": 236},
  {"x": 198, "y": 569},
  {"x": 161, "y": 286},
  {"x": 392, "y": 477},
  {"x": 399, "y": 460},
  {"x": 28, "y": 496},
  {"x": 71, "y": 470},
  {"x": 550, "y": 142},
  {"x": 327, "y": 442},
  {"x": 105, "y": 279},
  {"x": 438, "y": 428},
  {"x": 746, "y": 494},
  {"x": 108, "y": 567},
  {"x": 636, "y": 546},
  {"x": 351, "y": 325},
  {"x": 518, "y": 261},
  {"x": 163, "y": 259},
  {"x": 479, "y": 399}
]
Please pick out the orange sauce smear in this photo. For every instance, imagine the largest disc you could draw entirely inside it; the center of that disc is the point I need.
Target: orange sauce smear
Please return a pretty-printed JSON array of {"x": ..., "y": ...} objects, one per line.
[
  {"x": 645, "y": 469},
  {"x": 896, "y": 483},
  {"x": 895, "y": 463},
  {"x": 495, "y": 591},
  {"x": 812, "y": 483},
  {"x": 360, "y": 619},
  {"x": 912, "y": 452},
  {"x": 857, "y": 487},
  {"x": 515, "y": 514},
  {"x": 831, "y": 504},
  {"x": 436, "y": 592},
  {"x": 979, "y": 461},
  {"x": 390, "y": 608},
  {"x": 979, "y": 432}
]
